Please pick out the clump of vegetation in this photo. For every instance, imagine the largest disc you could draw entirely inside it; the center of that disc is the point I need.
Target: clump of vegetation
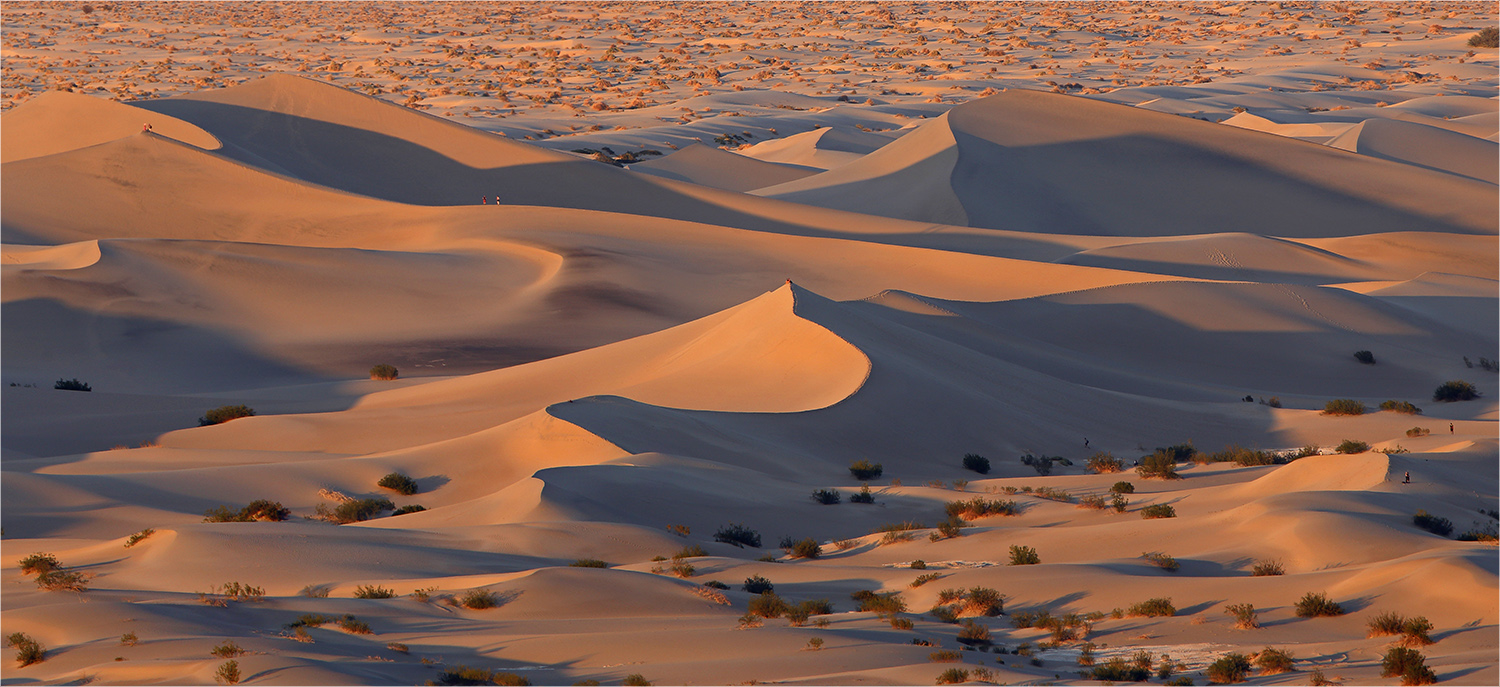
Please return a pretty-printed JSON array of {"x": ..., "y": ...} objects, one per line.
[
  {"x": 38, "y": 563},
  {"x": 1403, "y": 407},
  {"x": 827, "y": 497},
  {"x": 738, "y": 535},
  {"x": 221, "y": 595},
  {"x": 1118, "y": 502},
  {"x": 1094, "y": 502},
  {"x": 1229, "y": 669},
  {"x": 755, "y": 584},
  {"x": 1043, "y": 464},
  {"x": 1161, "y": 560},
  {"x": 1053, "y": 494},
  {"x": 767, "y": 605},
  {"x": 1024, "y": 555},
  {"x": 1488, "y": 37},
  {"x": 977, "y": 463},
  {"x": 138, "y": 537},
  {"x": 864, "y": 470},
  {"x": 1161, "y": 464},
  {"x": 924, "y": 579},
  {"x": 1414, "y": 631},
  {"x": 1103, "y": 463},
  {"x": 479, "y": 599},
  {"x": 1152, "y": 608},
  {"x": 1418, "y": 432},
  {"x": 1267, "y": 567},
  {"x": 806, "y": 548},
  {"x": 1271, "y": 661},
  {"x": 129, "y": 639},
  {"x": 1456, "y": 390},
  {"x": 72, "y": 385},
  {"x": 978, "y": 507},
  {"x": 464, "y": 675},
  {"x": 1409, "y": 665},
  {"x": 1117, "y": 669},
  {"x": 228, "y": 672},
  {"x": 862, "y": 496},
  {"x": 1245, "y": 617},
  {"x": 224, "y": 414},
  {"x": 398, "y": 647},
  {"x": 28, "y": 650},
  {"x": 1343, "y": 406},
  {"x": 1351, "y": 446},
  {"x": 898, "y": 532},
  {"x": 373, "y": 592},
  {"x": 945, "y": 657},
  {"x": 228, "y": 649},
  {"x": 354, "y": 510},
  {"x": 1123, "y": 488},
  {"x": 887, "y": 604},
  {"x": 953, "y": 676},
  {"x": 1432, "y": 523},
  {"x": 259, "y": 510},
  {"x": 588, "y": 563},
  {"x": 1317, "y": 605},
  {"x": 1365, "y": 357},
  {"x": 384, "y": 372},
  {"x": 1157, "y": 511},
  {"x": 62, "y": 580},
  {"x": 404, "y": 510},
  {"x": 399, "y": 483}
]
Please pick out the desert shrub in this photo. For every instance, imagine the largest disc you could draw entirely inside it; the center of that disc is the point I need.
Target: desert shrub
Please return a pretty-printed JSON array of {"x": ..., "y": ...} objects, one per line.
[
  {"x": 1343, "y": 406},
  {"x": 1086, "y": 655},
  {"x": 1161, "y": 560},
  {"x": 39, "y": 562},
  {"x": 1315, "y": 605},
  {"x": 977, "y": 463},
  {"x": 806, "y": 548},
  {"x": 478, "y": 599},
  {"x": 399, "y": 483},
  {"x": 901, "y": 623},
  {"x": 755, "y": 584},
  {"x": 864, "y": 470},
  {"x": 464, "y": 675},
  {"x": 1409, "y": 665},
  {"x": 690, "y": 551},
  {"x": 588, "y": 563},
  {"x": 309, "y": 620},
  {"x": 228, "y": 649},
  {"x": 72, "y": 385},
  {"x": 28, "y": 650},
  {"x": 1365, "y": 357},
  {"x": 1117, "y": 669},
  {"x": 353, "y": 625},
  {"x": 1349, "y": 446},
  {"x": 880, "y": 604},
  {"x": 918, "y": 564},
  {"x": 1273, "y": 661},
  {"x": 768, "y": 605},
  {"x": 1229, "y": 669},
  {"x": 979, "y": 508},
  {"x": 224, "y": 414},
  {"x": 1267, "y": 567},
  {"x": 924, "y": 579},
  {"x": 948, "y": 529},
  {"x": 355, "y": 510},
  {"x": 1418, "y": 432},
  {"x": 1245, "y": 617},
  {"x": 1432, "y": 523},
  {"x": 826, "y": 497},
  {"x": 1102, "y": 463},
  {"x": 945, "y": 657},
  {"x": 1160, "y": 510},
  {"x": 384, "y": 372},
  {"x": 259, "y": 510},
  {"x": 373, "y": 592},
  {"x": 404, "y": 510},
  {"x": 228, "y": 673},
  {"x": 62, "y": 581},
  {"x": 738, "y": 535},
  {"x": 1094, "y": 502},
  {"x": 952, "y": 676},
  {"x": 715, "y": 584},
  {"x": 1023, "y": 555},
  {"x": 862, "y": 496},
  {"x": 1385, "y": 624},
  {"x": 1042, "y": 464},
  {"x": 1488, "y": 37},
  {"x": 636, "y": 680},
  {"x": 1414, "y": 631},
  {"x": 983, "y": 601},
  {"x": 129, "y": 639},
  {"x": 1118, "y": 502},
  {"x": 1152, "y": 608},
  {"x": 1123, "y": 488},
  {"x": 138, "y": 537},
  {"x": 1404, "y": 407},
  {"x": 316, "y": 591},
  {"x": 1161, "y": 464},
  {"x": 1455, "y": 390},
  {"x": 1053, "y": 494}
]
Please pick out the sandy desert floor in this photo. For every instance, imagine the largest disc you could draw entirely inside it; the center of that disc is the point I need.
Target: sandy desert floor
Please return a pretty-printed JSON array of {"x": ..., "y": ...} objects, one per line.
[{"x": 656, "y": 275}]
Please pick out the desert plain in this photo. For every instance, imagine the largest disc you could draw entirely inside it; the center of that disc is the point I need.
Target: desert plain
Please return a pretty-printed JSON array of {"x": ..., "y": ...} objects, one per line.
[{"x": 1003, "y": 343}]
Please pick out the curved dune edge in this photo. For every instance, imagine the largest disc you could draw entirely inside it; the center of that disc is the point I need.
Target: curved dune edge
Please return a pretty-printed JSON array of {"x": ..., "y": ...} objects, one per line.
[
  {"x": 68, "y": 256},
  {"x": 60, "y": 121}
]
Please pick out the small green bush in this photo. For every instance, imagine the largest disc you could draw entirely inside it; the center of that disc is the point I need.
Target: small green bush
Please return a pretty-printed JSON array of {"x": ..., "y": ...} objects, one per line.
[
  {"x": 1157, "y": 511},
  {"x": 1266, "y": 568},
  {"x": 715, "y": 584},
  {"x": 355, "y": 510},
  {"x": 228, "y": 649},
  {"x": 945, "y": 657},
  {"x": 1403, "y": 407},
  {"x": 1442, "y": 527},
  {"x": 863, "y": 496},
  {"x": 353, "y": 625},
  {"x": 1024, "y": 555},
  {"x": 1414, "y": 631},
  {"x": 1456, "y": 390},
  {"x": 864, "y": 470},
  {"x": 1273, "y": 661},
  {"x": 1104, "y": 463},
  {"x": 39, "y": 562},
  {"x": 1245, "y": 617},
  {"x": 139, "y": 537},
  {"x": 979, "y": 508},
  {"x": 224, "y": 414},
  {"x": 755, "y": 584},
  {"x": 1229, "y": 669},
  {"x": 1409, "y": 665},
  {"x": 636, "y": 680},
  {"x": 28, "y": 650},
  {"x": 690, "y": 551},
  {"x": 399, "y": 483},
  {"x": 404, "y": 510},
  {"x": 738, "y": 535},
  {"x": 1162, "y": 560},
  {"x": 1118, "y": 502},
  {"x": 1365, "y": 357},
  {"x": 1117, "y": 669},
  {"x": 924, "y": 579},
  {"x": 373, "y": 592},
  {"x": 589, "y": 563},
  {"x": 1385, "y": 624},
  {"x": 1488, "y": 37},
  {"x": 806, "y": 548},
  {"x": 1317, "y": 605},
  {"x": 977, "y": 463},
  {"x": 384, "y": 372},
  {"x": 952, "y": 676},
  {"x": 1343, "y": 406},
  {"x": 1161, "y": 464},
  {"x": 880, "y": 604},
  {"x": 1152, "y": 608},
  {"x": 1042, "y": 464},
  {"x": 62, "y": 581},
  {"x": 768, "y": 605},
  {"x": 1351, "y": 446},
  {"x": 479, "y": 599},
  {"x": 1094, "y": 502},
  {"x": 464, "y": 675},
  {"x": 1123, "y": 488},
  {"x": 827, "y": 497},
  {"x": 228, "y": 673},
  {"x": 72, "y": 385}
]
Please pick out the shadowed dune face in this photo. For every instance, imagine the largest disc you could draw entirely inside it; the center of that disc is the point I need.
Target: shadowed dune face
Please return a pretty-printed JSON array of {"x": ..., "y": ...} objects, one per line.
[{"x": 860, "y": 267}]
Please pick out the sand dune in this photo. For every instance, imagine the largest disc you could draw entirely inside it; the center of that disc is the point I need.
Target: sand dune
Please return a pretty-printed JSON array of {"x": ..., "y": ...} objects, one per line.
[
  {"x": 700, "y": 164},
  {"x": 1424, "y": 146},
  {"x": 59, "y": 121}
]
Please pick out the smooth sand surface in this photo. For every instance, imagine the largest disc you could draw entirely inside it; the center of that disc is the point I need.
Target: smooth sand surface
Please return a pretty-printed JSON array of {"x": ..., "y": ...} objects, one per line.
[{"x": 653, "y": 272}]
